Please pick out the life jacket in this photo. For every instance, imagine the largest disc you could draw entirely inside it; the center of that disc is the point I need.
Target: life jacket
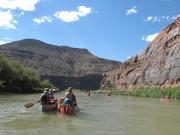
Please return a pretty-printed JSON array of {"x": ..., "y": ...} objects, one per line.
[{"x": 44, "y": 99}]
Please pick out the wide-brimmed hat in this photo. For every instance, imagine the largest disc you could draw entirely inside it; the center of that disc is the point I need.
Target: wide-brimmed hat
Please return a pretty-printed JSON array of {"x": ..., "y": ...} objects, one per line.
[{"x": 53, "y": 90}]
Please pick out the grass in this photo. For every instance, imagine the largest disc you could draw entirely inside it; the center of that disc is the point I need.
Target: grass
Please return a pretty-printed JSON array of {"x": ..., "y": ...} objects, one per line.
[{"x": 173, "y": 93}]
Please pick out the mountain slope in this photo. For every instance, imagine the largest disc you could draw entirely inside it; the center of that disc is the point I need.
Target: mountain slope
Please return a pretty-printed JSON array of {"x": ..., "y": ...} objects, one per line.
[
  {"x": 157, "y": 66},
  {"x": 59, "y": 62}
]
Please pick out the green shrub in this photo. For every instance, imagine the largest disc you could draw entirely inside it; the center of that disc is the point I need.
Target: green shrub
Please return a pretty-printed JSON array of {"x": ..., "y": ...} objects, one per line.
[{"x": 16, "y": 78}]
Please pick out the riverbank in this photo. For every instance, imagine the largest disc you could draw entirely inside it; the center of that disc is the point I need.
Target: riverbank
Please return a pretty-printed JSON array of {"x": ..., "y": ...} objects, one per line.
[{"x": 173, "y": 93}]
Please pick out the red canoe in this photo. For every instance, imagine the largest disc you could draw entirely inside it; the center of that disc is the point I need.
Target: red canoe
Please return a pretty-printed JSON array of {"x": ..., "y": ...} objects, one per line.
[
  {"x": 50, "y": 107},
  {"x": 66, "y": 109}
]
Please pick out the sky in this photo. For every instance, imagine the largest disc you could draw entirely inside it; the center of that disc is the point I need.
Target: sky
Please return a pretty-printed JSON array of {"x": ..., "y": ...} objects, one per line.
[{"x": 110, "y": 29}]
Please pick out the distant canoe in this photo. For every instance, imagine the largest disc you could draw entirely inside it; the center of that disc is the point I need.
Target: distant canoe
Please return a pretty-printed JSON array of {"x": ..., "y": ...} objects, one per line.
[{"x": 49, "y": 107}]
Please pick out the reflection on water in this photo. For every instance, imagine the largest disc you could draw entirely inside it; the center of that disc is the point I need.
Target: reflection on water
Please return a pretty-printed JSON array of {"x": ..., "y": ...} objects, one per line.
[{"x": 99, "y": 115}]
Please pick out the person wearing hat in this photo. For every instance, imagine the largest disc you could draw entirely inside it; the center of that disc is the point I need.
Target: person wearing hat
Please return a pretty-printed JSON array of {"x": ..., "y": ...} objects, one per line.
[
  {"x": 51, "y": 96},
  {"x": 51, "y": 93},
  {"x": 44, "y": 97}
]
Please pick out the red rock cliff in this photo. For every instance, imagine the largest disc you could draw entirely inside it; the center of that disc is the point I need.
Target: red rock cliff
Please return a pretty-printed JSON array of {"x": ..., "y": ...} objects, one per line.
[{"x": 157, "y": 66}]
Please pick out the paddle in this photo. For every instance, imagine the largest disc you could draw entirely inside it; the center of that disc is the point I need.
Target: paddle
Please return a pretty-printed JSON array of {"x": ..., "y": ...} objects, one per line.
[
  {"x": 28, "y": 105},
  {"x": 76, "y": 106}
]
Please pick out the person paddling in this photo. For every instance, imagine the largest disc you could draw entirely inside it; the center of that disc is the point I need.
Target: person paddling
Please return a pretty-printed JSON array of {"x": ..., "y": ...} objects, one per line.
[{"x": 44, "y": 99}]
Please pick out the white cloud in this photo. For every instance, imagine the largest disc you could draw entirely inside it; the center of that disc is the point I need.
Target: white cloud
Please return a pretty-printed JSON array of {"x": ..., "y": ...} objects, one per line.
[
  {"x": 25, "y": 5},
  {"x": 154, "y": 19},
  {"x": 6, "y": 38},
  {"x": 175, "y": 16},
  {"x": 72, "y": 16},
  {"x": 21, "y": 14},
  {"x": 150, "y": 38},
  {"x": 129, "y": 57},
  {"x": 2, "y": 42},
  {"x": 42, "y": 19},
  {"x": 83, "y": 10},
  {"x": 165, "y": 17},
  {"x": 67, "y": 16},
  {"x": 132, "y": 11},
  {"x": 7, "y": 21},
  {"x": 7, "y": 18}
]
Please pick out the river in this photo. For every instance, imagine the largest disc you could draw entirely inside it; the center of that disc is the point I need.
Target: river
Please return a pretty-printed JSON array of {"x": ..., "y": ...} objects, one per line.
[{"x": 98, "y": 115}]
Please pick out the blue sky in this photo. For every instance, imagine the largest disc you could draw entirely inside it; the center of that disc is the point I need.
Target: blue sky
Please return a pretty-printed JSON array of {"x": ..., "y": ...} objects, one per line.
[{"x": 110, "y": 29}]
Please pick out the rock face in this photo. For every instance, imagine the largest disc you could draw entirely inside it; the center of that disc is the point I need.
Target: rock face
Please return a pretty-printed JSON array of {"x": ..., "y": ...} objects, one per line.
[
  {"x": 157, "y": 66},
  {"x": 62, "y": 65}
]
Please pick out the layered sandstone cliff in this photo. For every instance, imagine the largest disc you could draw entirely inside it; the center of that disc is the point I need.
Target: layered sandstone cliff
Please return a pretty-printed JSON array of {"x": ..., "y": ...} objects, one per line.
[
  {"x": 63, "y": 65},
  {"x": 157, "y": 66}
]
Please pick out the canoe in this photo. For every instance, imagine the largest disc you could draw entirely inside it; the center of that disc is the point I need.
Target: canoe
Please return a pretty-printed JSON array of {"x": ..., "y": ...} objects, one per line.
[
  {"x": 49, "y": 107},
  {"x": 66, "y": 109}
]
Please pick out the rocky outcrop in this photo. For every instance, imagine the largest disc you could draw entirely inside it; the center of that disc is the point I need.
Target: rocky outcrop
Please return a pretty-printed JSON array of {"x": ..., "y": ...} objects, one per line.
[
  {"x": 157, "y": 66},
  {"x": 64, "y": 66}
]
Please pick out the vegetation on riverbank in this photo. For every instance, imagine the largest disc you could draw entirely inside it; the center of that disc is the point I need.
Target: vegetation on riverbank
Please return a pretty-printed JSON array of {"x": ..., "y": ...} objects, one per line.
[
  {"x": 15, "y": 78},
  {"x": 173, "y": 93}
]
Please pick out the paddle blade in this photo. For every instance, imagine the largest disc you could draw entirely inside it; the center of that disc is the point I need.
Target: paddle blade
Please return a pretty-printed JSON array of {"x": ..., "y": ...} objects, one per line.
[{"x": 29, "y": 105}]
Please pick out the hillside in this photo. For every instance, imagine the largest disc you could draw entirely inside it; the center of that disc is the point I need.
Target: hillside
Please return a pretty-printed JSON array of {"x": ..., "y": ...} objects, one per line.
[
  {"x": 63, "y": 65},
  {"x": 157, "y": 66}
]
